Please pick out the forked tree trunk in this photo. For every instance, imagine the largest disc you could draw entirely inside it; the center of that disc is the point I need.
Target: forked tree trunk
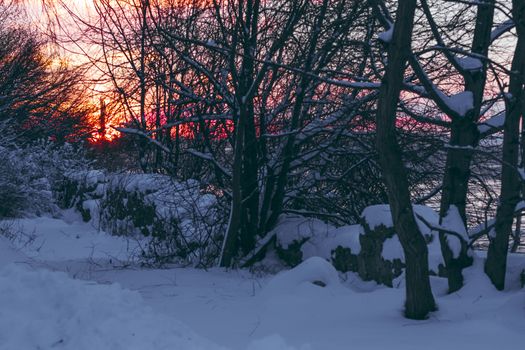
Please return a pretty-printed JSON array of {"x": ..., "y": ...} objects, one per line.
[
  {"x": 419, "y": 298},
  {"x": 496, "y": 263}
]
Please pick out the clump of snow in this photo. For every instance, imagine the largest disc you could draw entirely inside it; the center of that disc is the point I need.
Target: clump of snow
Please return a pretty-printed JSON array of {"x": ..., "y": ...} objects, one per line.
[
  {"x": 87, "y": 177},
  {"x": 380, "y": 215},
  {"x": 323, "y": 245},
  {"x": 387, "y": 35},
  {"x": 392, "y": 249},
  {"x": 453, "y": 222},
  {"x": 179, "y": 217},
  {"x": 461, "y": 103},
  {"x": 170, "y": 199},
  {"x": 377, "y": 215},
  {"x": 495, "y": 122},
  {"x": 291, "y": 228},
  {"x": 93, "y": 207},
  {"x": 313, "y": 273},
  {"x": 49, "y": 310},
  {"x": 469, "y": 63},
  {"x": 429, "y": 215}
]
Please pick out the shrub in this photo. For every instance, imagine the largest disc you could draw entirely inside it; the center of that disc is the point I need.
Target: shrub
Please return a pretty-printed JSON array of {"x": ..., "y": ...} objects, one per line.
[
  {"x": 178, "y": 220},
  {"x": 29, "y": 174}
]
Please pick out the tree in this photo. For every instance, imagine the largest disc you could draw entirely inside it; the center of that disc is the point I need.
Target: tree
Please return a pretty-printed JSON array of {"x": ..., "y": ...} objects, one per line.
[
  {"x": 495, "y": 266},
  {"x": 40, "y": 94},
  {"x": 419, "y": 298}
]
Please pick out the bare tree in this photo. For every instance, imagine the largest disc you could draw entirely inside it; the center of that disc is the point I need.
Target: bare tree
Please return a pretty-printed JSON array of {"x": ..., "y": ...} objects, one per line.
[{"x": 419, "y": 298}]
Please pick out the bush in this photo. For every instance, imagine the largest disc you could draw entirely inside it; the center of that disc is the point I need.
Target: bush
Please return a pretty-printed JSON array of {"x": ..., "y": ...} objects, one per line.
[
  {"x": 29, "y": 174},
  {"x": 179, "y": 221}
]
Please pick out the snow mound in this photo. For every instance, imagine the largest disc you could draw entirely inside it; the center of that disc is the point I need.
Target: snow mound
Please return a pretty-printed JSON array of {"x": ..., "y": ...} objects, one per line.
[
  {"x": 49, "y": 310},
  {"x": 380, "y": 215},
  {"x": 377, "y": 215},
  {"x": 292, "y": 229},
  {"x": 312, "y": 274},
  {"x": 323, "y": 245}
]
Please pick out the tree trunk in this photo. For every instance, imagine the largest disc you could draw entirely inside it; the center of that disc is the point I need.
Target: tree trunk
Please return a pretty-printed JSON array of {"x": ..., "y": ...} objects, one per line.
[
  {"x": 230, "y": 244},
  {"x": 419, "y": 298},
  {"x": 244, "y": 212},
  {"x": 464, "y": 134},
  {"x": 496, "y": 263}
]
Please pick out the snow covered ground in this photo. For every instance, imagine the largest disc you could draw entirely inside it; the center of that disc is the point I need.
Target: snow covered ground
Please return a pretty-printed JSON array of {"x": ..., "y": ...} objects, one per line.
[{"x": 64, "y": 285}]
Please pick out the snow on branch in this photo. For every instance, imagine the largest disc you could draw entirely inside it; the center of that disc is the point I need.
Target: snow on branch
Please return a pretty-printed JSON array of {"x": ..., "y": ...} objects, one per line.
[
  {"x": 438, "y": 228},
  {"x": 386, "y": 36},
  {"x": 501, "y": 29},
  {"x": 209, "y": 157},
  {"x": 492, "y": 125},
  {"x": 141, "y": 133},
  {"x": 469, "y": 63},
  {"x": 455, "y": 106},
  {"x": 453, "y": 226}
]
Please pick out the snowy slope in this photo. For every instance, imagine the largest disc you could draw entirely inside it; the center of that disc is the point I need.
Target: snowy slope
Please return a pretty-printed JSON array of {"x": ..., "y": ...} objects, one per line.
[{"x": 49, "y": 310}]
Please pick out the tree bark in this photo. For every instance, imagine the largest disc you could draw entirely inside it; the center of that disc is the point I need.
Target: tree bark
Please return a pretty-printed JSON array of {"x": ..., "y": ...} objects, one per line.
[
  {"x": 419, "y": 298},
  {"x": 496, "y": 263}
]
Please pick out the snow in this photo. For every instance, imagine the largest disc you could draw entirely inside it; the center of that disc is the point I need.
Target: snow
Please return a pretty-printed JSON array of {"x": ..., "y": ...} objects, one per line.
[
  {"x": 304, "y": 277},
  {"x": 53, "y": 239},
  {"x": 453, "y": 222},
  {"x": 392, "y": 249},
  {"x": 49, "y": 310},
  {"x": 469, "y": 63},
  {"x": 179, "y": 308},
  {"x": 461, "y": 102},
  {"x": 377, "y": 215},
  {"x": 521, "y": 171},
  {"x": 89, "y": 177},
  {"x": 386, "y": 36},
  {"x": 323, "y": 244},
  {"x": 495, "y": 122},
  {"x": 293, "y": 228},
  {"x": 274, "y": 342},
  {"x": 380, "y": 215},
  {"x": 501, "y": 29},
  {"x": 9, "y": 254}
]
